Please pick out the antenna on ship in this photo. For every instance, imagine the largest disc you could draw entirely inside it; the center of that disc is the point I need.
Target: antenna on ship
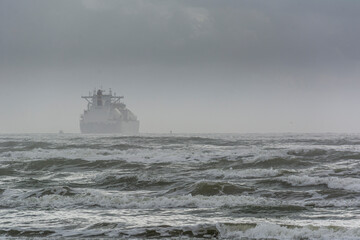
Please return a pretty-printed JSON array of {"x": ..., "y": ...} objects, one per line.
[{"x": 110, "y": 91}]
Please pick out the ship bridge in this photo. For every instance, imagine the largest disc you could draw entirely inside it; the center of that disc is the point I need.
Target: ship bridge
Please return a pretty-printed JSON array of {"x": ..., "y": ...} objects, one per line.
[{"x": 99, "y": 99}]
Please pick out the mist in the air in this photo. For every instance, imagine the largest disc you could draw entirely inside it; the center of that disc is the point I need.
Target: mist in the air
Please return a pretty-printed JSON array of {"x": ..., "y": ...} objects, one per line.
[{"x": 182, "y": 66}]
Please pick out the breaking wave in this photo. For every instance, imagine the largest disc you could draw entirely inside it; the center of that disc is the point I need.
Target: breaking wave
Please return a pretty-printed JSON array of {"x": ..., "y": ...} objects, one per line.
[
  {"x": 350, "y": 184},
  {"x": 276, "y": 231},
  {"x": 242, "y": 231},
  {"x": 65, "y": 197}
]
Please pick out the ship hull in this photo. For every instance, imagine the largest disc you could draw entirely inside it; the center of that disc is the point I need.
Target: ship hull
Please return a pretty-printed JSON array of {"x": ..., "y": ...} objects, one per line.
[{"x": 118, "y": 127}]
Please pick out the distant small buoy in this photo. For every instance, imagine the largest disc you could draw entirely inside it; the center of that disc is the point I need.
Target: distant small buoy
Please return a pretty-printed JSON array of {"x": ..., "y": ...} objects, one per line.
[
  {"x": 170, "y": 131},
  {"x": 61, "y": 132}
]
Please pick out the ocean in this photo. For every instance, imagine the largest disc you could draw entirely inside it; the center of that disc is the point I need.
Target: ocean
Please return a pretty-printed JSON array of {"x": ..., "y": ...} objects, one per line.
[{"x": 187, "y": 186}]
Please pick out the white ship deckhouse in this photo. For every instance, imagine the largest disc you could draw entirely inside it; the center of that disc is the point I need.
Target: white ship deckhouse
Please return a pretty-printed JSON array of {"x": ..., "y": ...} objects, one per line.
[{"x": 106, "y": 114}]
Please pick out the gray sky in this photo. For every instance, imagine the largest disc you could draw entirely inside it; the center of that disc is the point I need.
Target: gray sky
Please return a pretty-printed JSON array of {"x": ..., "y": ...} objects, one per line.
[{"x": 185, "y": 66}]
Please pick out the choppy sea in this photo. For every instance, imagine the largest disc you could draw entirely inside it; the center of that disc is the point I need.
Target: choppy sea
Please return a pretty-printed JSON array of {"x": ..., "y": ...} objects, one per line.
[{"x": 197, "y": 186}]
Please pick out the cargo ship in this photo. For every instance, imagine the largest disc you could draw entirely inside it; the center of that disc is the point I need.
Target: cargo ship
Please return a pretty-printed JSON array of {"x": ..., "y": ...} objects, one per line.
[{"x": 106, "y": 113}]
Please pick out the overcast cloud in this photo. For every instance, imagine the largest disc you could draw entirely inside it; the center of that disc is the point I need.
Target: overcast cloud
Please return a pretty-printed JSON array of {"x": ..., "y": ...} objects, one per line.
[{"x": 185, "y": 66}]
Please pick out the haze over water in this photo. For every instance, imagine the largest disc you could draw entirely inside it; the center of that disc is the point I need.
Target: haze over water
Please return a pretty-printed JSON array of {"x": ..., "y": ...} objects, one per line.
[{"x": 204, "y": 66}]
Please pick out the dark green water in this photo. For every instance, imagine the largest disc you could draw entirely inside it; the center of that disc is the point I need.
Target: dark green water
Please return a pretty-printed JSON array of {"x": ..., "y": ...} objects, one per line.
[{"x": 225, "y": 186}]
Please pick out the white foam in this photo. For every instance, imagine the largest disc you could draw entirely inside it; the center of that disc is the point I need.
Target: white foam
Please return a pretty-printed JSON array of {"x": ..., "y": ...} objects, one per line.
[
  {"x": 275, "y": 231},
  {"x": 350, "y": 184},
  {"x": 266, "y": 155},
  {"x": 154, "y": 154},
  {"x": 247, "y": 173},
  {"x": 262, "y": 230},
  {"x": 125, "y": 201},
  {"x": 150, "y": 153}
]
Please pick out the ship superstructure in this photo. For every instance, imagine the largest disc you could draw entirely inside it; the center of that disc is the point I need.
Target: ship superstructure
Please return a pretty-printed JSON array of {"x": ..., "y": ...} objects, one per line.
[{"x": 106, "y": 114}]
